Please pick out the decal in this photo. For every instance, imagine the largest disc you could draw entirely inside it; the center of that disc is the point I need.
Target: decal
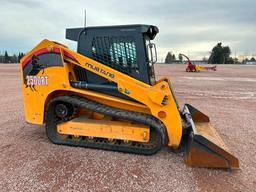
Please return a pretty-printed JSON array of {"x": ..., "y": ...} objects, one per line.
[
  {"x": 40, "y": 52},
  {"x": 36, "y": 80},
  {"x": 102, "y": 71}
]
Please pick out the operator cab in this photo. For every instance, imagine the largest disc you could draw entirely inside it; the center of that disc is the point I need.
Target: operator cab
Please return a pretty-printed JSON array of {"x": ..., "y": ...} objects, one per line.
[{"x": 126, "y": 48}]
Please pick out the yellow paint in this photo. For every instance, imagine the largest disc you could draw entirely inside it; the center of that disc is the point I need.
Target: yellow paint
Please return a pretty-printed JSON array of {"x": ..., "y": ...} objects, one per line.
[
  {"x": 105, "y": 128},
  {"x": 150, "y": 97},
  {"x": 199, "y": 68}
]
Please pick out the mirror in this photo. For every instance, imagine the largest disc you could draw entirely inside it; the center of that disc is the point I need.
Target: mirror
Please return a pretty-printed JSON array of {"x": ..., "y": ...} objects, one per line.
[{"x": 151, "y": 47}]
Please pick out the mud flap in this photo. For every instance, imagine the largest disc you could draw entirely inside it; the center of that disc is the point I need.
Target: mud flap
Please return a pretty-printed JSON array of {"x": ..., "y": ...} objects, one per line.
[{"x": 204, "y": 147}]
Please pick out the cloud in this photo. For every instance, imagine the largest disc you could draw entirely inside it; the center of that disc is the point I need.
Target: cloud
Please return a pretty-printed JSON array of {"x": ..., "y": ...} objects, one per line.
[{"x": 185, "y": 25}]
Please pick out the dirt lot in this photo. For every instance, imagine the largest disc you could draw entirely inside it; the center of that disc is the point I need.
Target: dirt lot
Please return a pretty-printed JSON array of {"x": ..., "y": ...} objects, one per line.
[{"x": 29, "y": 162}]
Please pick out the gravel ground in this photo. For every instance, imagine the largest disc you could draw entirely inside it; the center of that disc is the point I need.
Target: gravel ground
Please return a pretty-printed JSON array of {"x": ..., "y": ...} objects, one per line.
[{"x": 29, "y": 162}]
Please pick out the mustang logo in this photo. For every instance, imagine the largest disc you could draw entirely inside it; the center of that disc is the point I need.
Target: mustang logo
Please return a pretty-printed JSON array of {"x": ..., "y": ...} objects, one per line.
[
  {"x": 95, "y": 68},
  {"x": 31, "y": 79}
]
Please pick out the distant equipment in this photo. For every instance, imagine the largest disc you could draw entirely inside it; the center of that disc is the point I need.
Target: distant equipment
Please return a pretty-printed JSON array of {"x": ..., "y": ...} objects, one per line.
[{"x": 197, "y": 68}]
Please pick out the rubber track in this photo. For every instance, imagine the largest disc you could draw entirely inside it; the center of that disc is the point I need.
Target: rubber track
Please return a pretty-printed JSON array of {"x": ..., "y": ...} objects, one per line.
[{"x": 158, "y": 131}]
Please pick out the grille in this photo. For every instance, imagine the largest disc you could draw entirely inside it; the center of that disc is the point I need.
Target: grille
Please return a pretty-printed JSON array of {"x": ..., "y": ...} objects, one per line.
[{"x": 80, "y": 73}]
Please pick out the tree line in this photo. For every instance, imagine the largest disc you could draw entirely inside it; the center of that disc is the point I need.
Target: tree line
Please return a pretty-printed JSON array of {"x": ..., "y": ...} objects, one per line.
[
  {"x": 6, "y": 58},
  {"x": 219, "y": 55},
  {"x": 172, "y": 58}
]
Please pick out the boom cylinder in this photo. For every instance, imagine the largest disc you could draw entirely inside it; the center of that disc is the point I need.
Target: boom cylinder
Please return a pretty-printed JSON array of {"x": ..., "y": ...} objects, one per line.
[{"x": 85, "y": 85}]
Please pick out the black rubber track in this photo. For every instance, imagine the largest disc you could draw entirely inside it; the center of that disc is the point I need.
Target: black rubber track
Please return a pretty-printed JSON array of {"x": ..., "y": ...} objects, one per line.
[{"x": 158, "y": 131}]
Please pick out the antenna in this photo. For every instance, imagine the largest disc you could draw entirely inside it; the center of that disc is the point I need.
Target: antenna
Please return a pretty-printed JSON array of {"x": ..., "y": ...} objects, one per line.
[{"x": 85, "y": 18}]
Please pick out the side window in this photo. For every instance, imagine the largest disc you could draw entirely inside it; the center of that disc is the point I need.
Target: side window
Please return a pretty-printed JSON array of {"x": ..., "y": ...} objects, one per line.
[
  {"x": 50, "y": 59},
  {"x": 116, "y": 52}
]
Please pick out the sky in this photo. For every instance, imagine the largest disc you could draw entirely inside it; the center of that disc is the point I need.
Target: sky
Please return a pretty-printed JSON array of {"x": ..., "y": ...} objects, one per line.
[{"x": 186, "y": 26}]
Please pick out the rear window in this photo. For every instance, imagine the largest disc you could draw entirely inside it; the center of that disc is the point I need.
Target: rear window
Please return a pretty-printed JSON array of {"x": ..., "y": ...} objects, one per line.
[{"x": 116, "y": 52}]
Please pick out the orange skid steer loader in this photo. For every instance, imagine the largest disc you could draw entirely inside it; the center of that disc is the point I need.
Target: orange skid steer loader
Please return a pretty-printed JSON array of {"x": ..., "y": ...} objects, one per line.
[{"x": 105, "y": 96}]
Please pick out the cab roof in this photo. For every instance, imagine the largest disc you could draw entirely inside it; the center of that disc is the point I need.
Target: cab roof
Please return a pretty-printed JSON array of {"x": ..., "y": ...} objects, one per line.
[{"x": 149, "y": 30}]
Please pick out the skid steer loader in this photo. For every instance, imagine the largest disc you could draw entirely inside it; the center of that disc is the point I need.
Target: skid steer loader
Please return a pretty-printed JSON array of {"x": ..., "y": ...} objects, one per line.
[{"x": 105, "y": 96}]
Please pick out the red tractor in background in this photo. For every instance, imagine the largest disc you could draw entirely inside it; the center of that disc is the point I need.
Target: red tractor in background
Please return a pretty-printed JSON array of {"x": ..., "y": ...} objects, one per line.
[{"x": 197, "y": 68}]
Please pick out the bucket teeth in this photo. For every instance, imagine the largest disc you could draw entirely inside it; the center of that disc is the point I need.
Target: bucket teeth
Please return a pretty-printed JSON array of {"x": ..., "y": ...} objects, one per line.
[{"x": 204, "y": 147}]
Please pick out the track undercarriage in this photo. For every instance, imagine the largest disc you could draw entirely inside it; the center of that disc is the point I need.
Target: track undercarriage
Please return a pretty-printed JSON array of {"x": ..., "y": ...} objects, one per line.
[{"x": 55, "y": 117}]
